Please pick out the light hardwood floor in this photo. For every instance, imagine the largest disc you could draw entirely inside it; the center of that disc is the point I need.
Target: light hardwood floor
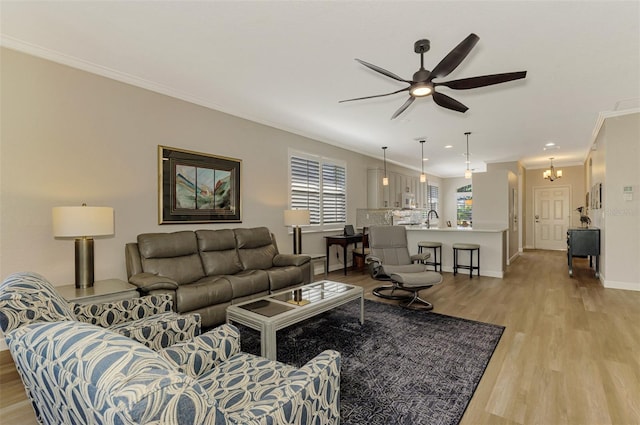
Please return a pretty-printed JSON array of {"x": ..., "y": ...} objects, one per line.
[{"x": 570, "y": 353}]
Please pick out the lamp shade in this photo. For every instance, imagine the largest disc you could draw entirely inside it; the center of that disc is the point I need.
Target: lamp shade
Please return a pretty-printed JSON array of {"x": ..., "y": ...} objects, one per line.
[
  {"x": 296, "y": 217},
  {"x": 82, "y": 221}
]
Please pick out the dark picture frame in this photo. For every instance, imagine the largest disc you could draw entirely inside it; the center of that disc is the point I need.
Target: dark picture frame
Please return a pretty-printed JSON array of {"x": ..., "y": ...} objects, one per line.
[{"x": 196, "y": 187}]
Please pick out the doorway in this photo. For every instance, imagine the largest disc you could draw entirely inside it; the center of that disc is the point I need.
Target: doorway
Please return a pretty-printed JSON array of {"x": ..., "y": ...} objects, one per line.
[{"x": 551, "y": 217}]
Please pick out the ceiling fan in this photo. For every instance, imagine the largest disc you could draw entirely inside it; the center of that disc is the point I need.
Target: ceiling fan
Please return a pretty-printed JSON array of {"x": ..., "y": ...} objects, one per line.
[{"x": 423, "y": 85}]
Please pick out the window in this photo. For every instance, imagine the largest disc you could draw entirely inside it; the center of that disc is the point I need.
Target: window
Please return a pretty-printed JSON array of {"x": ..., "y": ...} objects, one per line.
[
  {"x": 464, "y": 205},
  {"x": 432, "y": 198},
  {"x": 319, "y": 185}
]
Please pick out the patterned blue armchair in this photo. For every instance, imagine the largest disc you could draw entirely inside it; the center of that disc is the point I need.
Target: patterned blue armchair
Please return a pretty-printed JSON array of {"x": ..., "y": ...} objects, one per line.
[
  {"x": 28, "y": 297},
  {"x": 78, "y": 373}
]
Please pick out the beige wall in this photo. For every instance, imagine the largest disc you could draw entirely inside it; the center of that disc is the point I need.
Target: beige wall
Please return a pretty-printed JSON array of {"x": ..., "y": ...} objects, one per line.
[
  {"x": 615, "y": 162},
  {"x": 69, "y": 137}
]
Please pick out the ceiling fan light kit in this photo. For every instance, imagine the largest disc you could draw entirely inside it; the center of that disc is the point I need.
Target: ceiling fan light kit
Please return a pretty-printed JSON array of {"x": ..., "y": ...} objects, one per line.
[{"x": 422, "y": 84}]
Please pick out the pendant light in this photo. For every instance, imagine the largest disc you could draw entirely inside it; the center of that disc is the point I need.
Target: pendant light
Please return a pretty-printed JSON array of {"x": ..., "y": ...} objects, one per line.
[
  {"x": 423, "y": 176},
  {"x": 552, "y": 174},
  {"x": 467, "y": 173},
  {"x": 385, "y": 179}
]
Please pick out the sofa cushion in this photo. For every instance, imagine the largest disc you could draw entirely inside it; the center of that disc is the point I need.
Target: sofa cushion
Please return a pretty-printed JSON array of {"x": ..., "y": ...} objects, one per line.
[
  {"x": 284, "y": 277},
  {"x": 174, "y": 255},
  {"x": 248, "y": 282},
  {"x": 181, "y": 269},
  {"x": 218, "y": 252},
  {"x": 255, "y": 247},
  {"x": 205, "y": 292},
  {"x": 167, "y": 245}
]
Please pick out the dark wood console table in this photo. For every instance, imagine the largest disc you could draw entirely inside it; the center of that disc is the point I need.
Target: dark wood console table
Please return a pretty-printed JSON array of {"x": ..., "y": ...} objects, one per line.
[
  {"x": 583, "y": 242},
  {"x": 343, "y": 241}
]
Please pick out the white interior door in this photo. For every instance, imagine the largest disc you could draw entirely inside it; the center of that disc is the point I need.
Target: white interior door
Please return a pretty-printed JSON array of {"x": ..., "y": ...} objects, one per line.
[{"x": 551, "y": 217}]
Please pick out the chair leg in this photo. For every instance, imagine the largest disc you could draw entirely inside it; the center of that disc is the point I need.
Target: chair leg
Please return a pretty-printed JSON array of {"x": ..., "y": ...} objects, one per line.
[
  {"x": 415, "y": 301},
  {"x": 387, "y": 292}
]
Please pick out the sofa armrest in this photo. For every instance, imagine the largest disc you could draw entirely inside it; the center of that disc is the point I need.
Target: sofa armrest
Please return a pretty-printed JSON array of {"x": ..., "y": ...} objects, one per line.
[
  {"x": 162, "y": 330},
  {"x": 114, "y": 313},
  {"x": 420, "y": 257},
  {"x": 283, "y": 260},
  {"x": 204, "y": 352},
  {"x": 147, "y": 282},
  {"x": 313, "y": 391}
]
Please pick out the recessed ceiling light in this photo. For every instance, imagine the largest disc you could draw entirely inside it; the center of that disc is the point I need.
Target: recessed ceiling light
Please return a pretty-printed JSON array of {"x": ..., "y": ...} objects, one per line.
[
  {"x": 549, "y": 144},
  {"x": 448, "y": 146},
  {"x": 425, "y": 159}
]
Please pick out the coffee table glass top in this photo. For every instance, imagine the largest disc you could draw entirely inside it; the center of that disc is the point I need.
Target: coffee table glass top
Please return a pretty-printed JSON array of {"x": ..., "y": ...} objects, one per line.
[
  {"x": 327, "y": 285},
  {"x": 267, "y": 308},
  {"x": 285, "y": 301}
]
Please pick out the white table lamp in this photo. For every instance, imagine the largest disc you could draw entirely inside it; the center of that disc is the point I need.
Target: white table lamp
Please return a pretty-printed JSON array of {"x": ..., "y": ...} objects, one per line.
[{"x": 82, "y": 223}]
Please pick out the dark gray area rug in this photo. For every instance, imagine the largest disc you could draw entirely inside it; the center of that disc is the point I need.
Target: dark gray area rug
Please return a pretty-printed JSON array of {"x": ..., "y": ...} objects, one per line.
[{"x": 400, "y": 367}]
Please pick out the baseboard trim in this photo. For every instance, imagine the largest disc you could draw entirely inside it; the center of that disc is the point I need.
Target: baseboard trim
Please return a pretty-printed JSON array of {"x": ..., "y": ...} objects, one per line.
[
  {"x": 628, "y": 286},
  {"x": 490, "y": 273}
]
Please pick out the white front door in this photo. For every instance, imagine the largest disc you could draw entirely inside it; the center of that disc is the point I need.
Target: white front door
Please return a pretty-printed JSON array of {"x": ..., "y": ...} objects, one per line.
[{"x": 551, "y": 217}]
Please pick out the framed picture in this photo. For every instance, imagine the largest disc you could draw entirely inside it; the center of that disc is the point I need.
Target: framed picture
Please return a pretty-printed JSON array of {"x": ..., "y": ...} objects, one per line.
[{"x": 197, "y": 188}]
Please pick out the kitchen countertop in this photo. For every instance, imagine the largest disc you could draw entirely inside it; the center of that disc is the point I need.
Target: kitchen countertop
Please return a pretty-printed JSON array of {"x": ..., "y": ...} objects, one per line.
[{"x": 456, "y": 229}]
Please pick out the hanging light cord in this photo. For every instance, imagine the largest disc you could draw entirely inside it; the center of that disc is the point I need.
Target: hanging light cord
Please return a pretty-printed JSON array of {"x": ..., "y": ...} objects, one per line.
[
  {"x": 467, "y": 134},
  {"x": 384, "y": 152}
]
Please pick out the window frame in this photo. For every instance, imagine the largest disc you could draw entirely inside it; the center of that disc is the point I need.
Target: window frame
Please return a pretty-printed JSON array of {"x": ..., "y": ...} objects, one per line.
[
  {"x": 339, "y": 192},
  {"x": 468, "y": 194},
  {"x": 429, "y": 200}
]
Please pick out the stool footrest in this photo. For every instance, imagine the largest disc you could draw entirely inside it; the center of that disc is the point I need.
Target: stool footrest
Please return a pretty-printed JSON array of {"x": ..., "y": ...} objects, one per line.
[{"x": 466, "y": 247}]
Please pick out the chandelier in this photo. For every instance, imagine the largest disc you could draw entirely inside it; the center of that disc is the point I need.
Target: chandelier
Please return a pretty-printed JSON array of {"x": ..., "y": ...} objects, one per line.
[{"x": 552, "y": 174}]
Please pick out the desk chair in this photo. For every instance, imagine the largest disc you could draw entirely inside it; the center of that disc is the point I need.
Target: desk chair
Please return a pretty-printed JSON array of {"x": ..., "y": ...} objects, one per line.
[{"x": 360, "y": 254}]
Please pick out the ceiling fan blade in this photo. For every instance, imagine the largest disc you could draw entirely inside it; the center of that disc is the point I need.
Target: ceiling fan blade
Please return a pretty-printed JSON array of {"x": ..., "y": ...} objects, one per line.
[
  {"x": 482, "y": 81},
  {"x": 377, "y": 95},
  {"x": 455, "y": 57},
  {"x": 382, "y": 71},
  {"x": 404, "y": 106},
  {"x": 448, "y": 102}
]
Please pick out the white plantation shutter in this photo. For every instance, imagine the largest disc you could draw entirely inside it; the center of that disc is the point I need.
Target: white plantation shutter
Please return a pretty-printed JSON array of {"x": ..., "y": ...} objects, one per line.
[
  {"x": 334, "y": 196},
  {"x": 319, "y": 185}
]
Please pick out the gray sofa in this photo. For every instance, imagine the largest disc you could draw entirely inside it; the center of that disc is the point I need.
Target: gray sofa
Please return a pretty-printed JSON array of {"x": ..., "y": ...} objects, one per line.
[{"x": 207, "y": 270}]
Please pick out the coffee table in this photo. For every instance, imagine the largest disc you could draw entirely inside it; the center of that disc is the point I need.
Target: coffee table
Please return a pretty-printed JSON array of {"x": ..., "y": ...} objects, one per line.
[{"x": 273, "y": 312}]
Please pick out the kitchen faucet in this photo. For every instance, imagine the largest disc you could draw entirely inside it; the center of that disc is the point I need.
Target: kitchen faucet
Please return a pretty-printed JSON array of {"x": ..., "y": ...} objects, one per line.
[{"x": 429, "y": 217}]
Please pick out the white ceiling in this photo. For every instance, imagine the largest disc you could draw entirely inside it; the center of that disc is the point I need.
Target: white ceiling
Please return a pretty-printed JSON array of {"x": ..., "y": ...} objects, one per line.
[{"x": 287, "y": 64}]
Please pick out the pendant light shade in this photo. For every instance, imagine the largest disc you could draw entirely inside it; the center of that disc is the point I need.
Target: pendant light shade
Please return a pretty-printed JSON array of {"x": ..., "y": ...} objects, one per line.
[
  {"x": 423, "y": 176},
  {"x": 385, "y": 179},
  {"x": 467, "y": 173}
]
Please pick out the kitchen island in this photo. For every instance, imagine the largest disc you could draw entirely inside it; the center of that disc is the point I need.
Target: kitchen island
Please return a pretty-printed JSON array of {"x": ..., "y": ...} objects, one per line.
[{"x": 493, "y": 246}]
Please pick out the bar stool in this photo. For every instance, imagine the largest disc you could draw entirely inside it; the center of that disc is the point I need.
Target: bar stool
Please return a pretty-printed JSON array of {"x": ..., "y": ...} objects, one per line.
[
  {"x": 466, "y": 247},
  {"x": 436, "y": 246}
]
